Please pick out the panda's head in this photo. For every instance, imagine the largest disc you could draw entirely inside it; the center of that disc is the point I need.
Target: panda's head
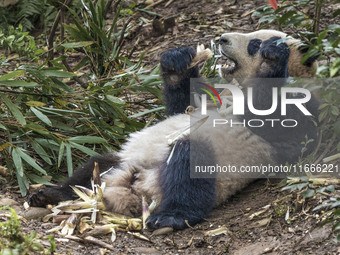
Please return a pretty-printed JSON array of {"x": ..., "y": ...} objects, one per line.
[{"x": 242, "y": 51}]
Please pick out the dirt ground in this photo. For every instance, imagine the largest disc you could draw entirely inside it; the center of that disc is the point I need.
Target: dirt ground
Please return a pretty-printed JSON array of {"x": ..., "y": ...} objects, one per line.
[{"x": 256, "y": 218}]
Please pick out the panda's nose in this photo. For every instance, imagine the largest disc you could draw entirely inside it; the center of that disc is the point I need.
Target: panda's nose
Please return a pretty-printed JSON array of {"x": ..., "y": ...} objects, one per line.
[{"x": 224, "y": 40}]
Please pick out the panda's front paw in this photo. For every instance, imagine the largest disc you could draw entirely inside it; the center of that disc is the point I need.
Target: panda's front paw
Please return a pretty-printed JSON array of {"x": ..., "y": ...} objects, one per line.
[
  {"x": 176, "y": 220},
  {"x": 177, "y": 60}
]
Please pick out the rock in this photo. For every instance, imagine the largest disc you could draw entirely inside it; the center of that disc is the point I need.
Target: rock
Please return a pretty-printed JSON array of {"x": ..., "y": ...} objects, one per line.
[
  {"x": 35, "y": 213},
  {"x": 7, "y": 201}
]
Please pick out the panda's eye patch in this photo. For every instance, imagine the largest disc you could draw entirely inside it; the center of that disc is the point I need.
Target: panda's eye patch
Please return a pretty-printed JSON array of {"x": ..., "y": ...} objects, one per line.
[{"x": 254, "y": 46}]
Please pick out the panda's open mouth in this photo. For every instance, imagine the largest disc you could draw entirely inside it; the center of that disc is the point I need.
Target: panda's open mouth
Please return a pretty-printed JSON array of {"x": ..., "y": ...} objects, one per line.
[{"x": 227, "y": 63}]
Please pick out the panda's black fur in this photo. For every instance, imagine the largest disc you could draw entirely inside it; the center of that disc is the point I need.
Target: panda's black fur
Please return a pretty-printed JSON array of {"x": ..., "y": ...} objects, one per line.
[{"x": 141, "y": 167}]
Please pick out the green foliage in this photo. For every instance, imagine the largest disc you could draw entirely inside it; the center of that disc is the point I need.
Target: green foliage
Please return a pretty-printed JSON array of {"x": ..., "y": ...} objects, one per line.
[
  {"x": 45, "y": 120},
  {"x": 14, "y": 241},
  {"x": 31, "y": 14},
  {"x": 15, "y": 40},
  {"x": 91, "y": 36},
  {"x": 209, "y": 68},
  {"x": 326, "y": 44},
  {"x": 287, "y": 14},
  {"x": 49, "y": 123}
]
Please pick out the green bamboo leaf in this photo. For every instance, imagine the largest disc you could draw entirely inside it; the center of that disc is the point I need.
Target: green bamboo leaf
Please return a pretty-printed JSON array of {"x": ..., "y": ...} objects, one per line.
[
  {"x": 38, "y": 179},
  {"x": 59, "y": 111},
  {"x": 57, "y": 73},
  {"x": 84, "y": 149},
  {"x": 69, "y": 159},
  {"x": 35, "y": 103},
  {"x": 78, "y": 33},
  {"x": 14, "y": 110},
  {"x": 12, "y": 75},
  {"x": 30, "y": 161},
  {"x": 87, "y": 139},
  {"x": 146, "y": 112},
  {"x": 41, "y": 116},
  {"x": 18, "y": 83},
  {"x": 77, "y": 45},
  {"x": 61, "y": 153},
  {"x": 17, "y": 162},
  {"x": 308, "y": 193},
  {"x": 2, "y": 127},
  {"x": 23, "y": 184},
  {"x": 115, "y": 100},
  {"x": 41, "y": 152}
]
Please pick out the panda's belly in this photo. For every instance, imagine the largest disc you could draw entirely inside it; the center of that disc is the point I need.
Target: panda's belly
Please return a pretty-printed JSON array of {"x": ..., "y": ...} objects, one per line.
[
  {"x": 145, "y": 152},
  {"x": 149, "y": 147},
  {"x": 236, "y": 147}
]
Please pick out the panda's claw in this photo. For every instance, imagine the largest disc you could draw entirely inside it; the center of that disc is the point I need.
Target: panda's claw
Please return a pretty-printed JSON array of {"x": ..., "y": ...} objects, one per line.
[{"x": 177, "y": 60}]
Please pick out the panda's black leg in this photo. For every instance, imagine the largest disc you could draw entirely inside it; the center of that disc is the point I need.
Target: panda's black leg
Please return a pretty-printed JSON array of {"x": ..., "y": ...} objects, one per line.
[
  {"x": 185, "y": 200},
  {"x": 82, "y": 176}
]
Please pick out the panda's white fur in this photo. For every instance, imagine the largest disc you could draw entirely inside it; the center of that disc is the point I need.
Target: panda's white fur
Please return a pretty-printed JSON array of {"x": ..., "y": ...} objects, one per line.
[
  {"x": 138, "y": 173},
  {"x": 246, "y": 65}
]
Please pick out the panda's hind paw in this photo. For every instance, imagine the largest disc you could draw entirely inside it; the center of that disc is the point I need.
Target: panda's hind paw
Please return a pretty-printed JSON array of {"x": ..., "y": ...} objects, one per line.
[
  {"x": 174, "y": 220},
  {"x": 177, "y": 60},
  {"x": 43, "y": 197}
]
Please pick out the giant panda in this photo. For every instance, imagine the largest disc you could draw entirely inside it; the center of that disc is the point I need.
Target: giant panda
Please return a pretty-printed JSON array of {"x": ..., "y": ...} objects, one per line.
[{"x": 148, "y": 166}]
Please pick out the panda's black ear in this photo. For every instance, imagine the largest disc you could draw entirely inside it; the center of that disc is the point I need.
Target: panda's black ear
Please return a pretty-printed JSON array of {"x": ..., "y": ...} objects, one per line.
[
  {"x": 303, "y": 49},
  {"x": 254, "y": 46}
]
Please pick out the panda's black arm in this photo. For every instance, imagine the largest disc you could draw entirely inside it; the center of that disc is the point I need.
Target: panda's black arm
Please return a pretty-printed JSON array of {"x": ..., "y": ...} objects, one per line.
[
  {"x": 287, "y": 141},
  {"x": 176, "y": 75},
  {"x": 82, "y": 176},
  {"x": 185, "y": 199}
]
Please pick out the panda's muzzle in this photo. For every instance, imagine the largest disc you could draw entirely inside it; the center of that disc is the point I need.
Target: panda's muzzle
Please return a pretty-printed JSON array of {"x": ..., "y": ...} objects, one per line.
[{"x": 227, "y": 63}]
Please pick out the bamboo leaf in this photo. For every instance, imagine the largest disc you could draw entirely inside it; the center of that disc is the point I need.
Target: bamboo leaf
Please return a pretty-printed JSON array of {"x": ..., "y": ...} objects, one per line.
[
  {"x": 87, "y": 139},
  {"x": 84, "y": 149},
  {"x": 146, "y": 112},
  {"x": 30, "y": 161},
  {"x": 41, "y": 152},
  {"x": 17, "y": 162},
  {"x": 61, "y": 153},
  {"x": 41, "y": 116},
  {"x": 18, "y": 83},
  {"x": 2, "y": 127},
  {"x": 69, "y": 159},
  {"x": 35, "y": 103},
  {"x": 57, "y": 73},
  {"x": 12, "y": 75},
  {"x": 115, "y": 100},
  {"x": 23, "y": 184},
  {"x": 77, "y": 44},
  {"x": 38, "y": 179},
  {"x": 14, "y": 110}
]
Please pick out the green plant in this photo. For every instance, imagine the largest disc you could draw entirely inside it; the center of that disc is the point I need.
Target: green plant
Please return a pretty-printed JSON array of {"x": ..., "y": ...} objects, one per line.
[
  {"x": 321, "y": 40},
  {"x": 15, "y": 40},
  {"x": 13, "y": 241},
  {"x": 101, "y": 45},
  {"x": 46, "y": 121}
]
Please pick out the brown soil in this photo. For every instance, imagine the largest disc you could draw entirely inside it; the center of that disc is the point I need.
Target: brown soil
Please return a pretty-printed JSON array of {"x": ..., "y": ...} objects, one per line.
[
  {"x": 249, "y": 231},
  {"x": 266, "y": 233}
]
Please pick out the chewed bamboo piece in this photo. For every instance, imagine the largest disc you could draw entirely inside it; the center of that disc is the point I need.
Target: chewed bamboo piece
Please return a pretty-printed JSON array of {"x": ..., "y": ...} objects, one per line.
[{"x": 201, "y": 56}]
